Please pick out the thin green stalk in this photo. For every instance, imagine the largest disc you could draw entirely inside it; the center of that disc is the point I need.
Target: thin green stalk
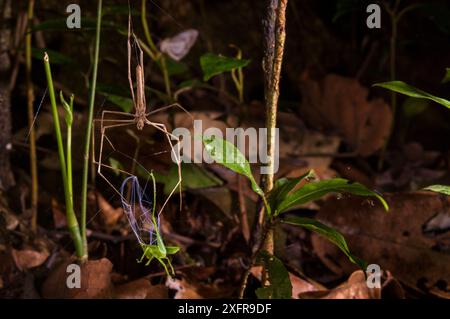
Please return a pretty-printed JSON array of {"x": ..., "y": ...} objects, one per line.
[
  {"x": 395, "y": 16},
  {"x": 32, "y": 135},
  {"x": 89, "y": 132},
  {"x": 69, "y": 121},
  {"x": 165, "y": 72},
  {"x": 153, "y": 51},
  {"x": 72, "y": 222},
  {"x": 146, "y": 28},
  {"x": 274, "y": 37}
]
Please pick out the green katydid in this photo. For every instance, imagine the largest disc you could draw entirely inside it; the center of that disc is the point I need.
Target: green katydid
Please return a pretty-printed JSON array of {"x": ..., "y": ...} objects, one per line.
[{"x": 145, "y": 221}]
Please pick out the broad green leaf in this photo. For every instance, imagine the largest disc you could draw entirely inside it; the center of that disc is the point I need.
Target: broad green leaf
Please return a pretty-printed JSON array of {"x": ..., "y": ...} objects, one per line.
[
  {"x": 193, "y": 177},
  {"x": 329, "y": 233},
  {"x": 280, "y": 284},
  {"x": 216, "y": 64},
  {"x": 125, "y": 103},
  {"x": 446, "y": 78},
  {"x": 406, "y": 89},
  {"x": 283, "y": 187},
  {"x": 226, "y": 154},
  {"x": 55, "y": 57},
  {"x": 315, "y": 190},
  {"x": 413, "y": 106},
  {"x": 443, "y": 189}
]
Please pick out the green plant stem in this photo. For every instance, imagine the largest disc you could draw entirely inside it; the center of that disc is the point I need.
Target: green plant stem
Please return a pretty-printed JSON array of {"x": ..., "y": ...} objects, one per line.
[
  {"x": 147, "y": 29},
  {"x": 87, "y": 144},
  {"x": 265, "y": 232},
  {"x": 69, "y": 161},
  {"x": 274, "y": 37},
  {"x": 238, "y": 76},
  {"x": 153, "y": 51},
  {"x": 32, "y": 134},
  {"x": 395, "y": 17},
  {"x": 72, "y": 222},
  {"x": 272, "y": 69},
  {"x": 165, "y": 72}
]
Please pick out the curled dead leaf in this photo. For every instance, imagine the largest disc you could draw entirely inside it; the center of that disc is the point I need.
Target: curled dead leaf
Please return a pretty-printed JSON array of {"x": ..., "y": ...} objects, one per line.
[
  {"x": 354, "y": 288},
  {"x": 110, "y": 214},
  {"x": 29, "y": 258}
]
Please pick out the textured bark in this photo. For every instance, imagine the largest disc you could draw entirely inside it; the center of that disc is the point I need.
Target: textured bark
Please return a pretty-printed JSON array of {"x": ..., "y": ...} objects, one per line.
[{"x": 6, "y": 176}]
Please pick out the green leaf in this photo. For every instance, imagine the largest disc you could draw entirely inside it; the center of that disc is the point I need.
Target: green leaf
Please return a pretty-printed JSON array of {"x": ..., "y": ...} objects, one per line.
[
  {"x": 280, "y": 283},
  {"x": 68, "y": 108},
  {"x": 55, "y": 57},
  {"x": 125, "y": 103},
  {"x": 315, "y": 190},
  {"x": 329, "y": 233},
  {"x": 226, "y": 154},
  {"x": 283, "y": 187},
  {"x": 446, "y": 78},
  {"x": 406, "y": 89},
  {"x": 216, "y": 64},
  {"x": 443, "y": 189},
  {"x": 194, "y": 177}
]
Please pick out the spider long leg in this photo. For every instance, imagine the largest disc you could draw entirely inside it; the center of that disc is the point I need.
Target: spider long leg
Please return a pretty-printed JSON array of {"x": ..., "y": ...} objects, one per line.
[
  {"x": 142, "y": 79},
  {"x": 170, "y": 106},
  {"x": 129, "y": 60},
  {"x": 99, "y": 162},
  {"x": 162, "y": 128}
]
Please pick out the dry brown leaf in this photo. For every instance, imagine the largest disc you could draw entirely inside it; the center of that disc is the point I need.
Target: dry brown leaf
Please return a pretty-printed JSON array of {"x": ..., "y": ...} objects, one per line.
[
  {"x": 354, "y": 288},
  {"x": 110, "y": 214},
  {"x": 300, "y": 286},
  {"x": 394, "y": 240},
  {"x": 340, "y": 104},
  {"x": 140, "y": 289},
  {"x": 29, "y": 258},
  {"x": 95, "y": 281}
]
